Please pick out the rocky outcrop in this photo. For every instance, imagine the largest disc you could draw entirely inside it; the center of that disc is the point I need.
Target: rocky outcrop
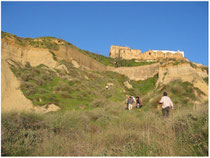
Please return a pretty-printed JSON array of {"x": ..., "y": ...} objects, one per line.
[
  {"x": 138, "y": 72},
  {"x": 68, "y": 53},
  {"x": 128, "y": 85},
  {"x": 12, "y": 99},
  {"x": 35, "y": 56},
  {"x": 202, "y": 73},
  {"x": 183, "y": 72}
]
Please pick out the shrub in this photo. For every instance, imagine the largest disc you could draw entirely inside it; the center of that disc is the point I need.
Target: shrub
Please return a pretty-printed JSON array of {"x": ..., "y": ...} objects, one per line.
[
  {"x": 46, "y": 77},
  {"x": 28, "y": 88},
  {"x": 27, "y": 65},
  {"x": 21, "y": 133},
  {"x": 5, "y": 34},
  {"x": 36, "y": 70},
  {"x": 26, "y": 76},
  {"x": 45, "y": 43},
  {"x": 53, "y": 54},
  {"x": 38, "y": 81},
  {"x": 206, "y": 79}
]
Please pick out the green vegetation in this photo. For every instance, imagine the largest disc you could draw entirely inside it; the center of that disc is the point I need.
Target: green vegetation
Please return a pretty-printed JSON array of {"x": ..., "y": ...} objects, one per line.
[
  {"x": 5, "y": 34},
  {"x": 93, "y": 120},
  {"x": 106, "y": 131},
  {"x": 166, "y": 62},
  {"x": 206, "y": 80},
  {"x": 115, "y": 62},
  {"x": 42, "y": 86},
  {"x": 65, "y": 88},
  {"x": 42, "y": 42},
  {"x": 100, "y": 58},
  {"x": 193, "y": 65},
  {"x": 205, "y": 68},
  {"x": 45, "y": 43},
  {"x": 99, "y": 125},
  {"x": 130, "y": 63},
  {"x": 182, "y": 93},
  {"x": 144, "y": 86}
]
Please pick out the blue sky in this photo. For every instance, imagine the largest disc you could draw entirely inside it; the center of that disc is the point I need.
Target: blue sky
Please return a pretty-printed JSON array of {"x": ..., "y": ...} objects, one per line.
[{"x": 95, "y": 26}]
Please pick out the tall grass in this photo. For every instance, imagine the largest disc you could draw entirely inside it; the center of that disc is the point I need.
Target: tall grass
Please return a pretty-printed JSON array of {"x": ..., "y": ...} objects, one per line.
[{"x": 107, "y": 131}]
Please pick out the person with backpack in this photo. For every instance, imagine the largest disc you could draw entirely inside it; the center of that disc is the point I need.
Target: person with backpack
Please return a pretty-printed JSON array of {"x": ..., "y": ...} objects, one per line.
[
  {"x": 130, "y": 102},
  {"x": 166, "y": 104}
]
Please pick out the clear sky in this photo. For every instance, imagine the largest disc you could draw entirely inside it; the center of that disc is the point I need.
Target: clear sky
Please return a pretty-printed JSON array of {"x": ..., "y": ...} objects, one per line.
[{"x": 95, "y": 26}]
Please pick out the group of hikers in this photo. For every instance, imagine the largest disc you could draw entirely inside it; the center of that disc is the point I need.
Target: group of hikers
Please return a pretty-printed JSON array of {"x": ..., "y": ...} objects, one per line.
[
  {"x": 165, "y": 101},
  {"x": 131, "y": 101}
]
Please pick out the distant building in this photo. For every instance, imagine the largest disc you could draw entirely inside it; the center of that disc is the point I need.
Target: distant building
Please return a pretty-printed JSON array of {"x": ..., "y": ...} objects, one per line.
[
  {"x": 169, "y": 51},
  {"x": 128, "y": 53}
]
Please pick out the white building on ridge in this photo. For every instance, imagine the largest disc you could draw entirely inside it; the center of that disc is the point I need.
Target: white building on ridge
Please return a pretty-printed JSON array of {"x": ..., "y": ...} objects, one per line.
[{"x": 169, "y": 51}]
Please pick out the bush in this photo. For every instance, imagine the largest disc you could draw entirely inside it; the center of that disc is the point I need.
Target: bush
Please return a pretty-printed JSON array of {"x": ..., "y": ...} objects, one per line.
[
  {"x": 46, "y": 77},
  {"x": 21, "y": 133},
  {"x": 38, "y": 81},
  {"x": 28, "y": 88},
  {"x": 26, "y": 76},
  {"x": 206, "y": 80},
  {"x": 45, "y": 43},
  {"x": 27, "y": 65}
]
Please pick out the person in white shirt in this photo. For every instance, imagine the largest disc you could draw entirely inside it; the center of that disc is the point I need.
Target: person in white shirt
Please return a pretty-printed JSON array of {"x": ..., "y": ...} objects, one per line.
[{"x": 166, "y": 104}]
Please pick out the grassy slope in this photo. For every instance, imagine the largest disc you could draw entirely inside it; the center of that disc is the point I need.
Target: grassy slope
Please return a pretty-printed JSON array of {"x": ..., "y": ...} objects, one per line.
[
  {"x": 103, "y": 127},
  {"x": 67, "y": 89},
  {"x": 93, "y": 120},
  {"x": 108, "y": 131},
  {"x": 71, "y": 90}
]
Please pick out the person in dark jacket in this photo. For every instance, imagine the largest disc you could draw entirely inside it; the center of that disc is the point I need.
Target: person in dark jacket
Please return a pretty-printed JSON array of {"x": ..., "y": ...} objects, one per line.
[{"x": 138, "y": 103}]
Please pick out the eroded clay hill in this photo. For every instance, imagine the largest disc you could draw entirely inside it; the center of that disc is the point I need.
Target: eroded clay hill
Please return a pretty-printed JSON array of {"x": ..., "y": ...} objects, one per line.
[{"x": 48, "y": 51}]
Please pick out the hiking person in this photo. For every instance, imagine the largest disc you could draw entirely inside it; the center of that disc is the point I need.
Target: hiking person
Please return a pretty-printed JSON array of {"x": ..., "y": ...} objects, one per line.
[
  {"x": 134, "y": 101},
  {"x": 130, "y": 103},
  {"x": 138, "y": 103},
  {"x": 166, "y": 104}
]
